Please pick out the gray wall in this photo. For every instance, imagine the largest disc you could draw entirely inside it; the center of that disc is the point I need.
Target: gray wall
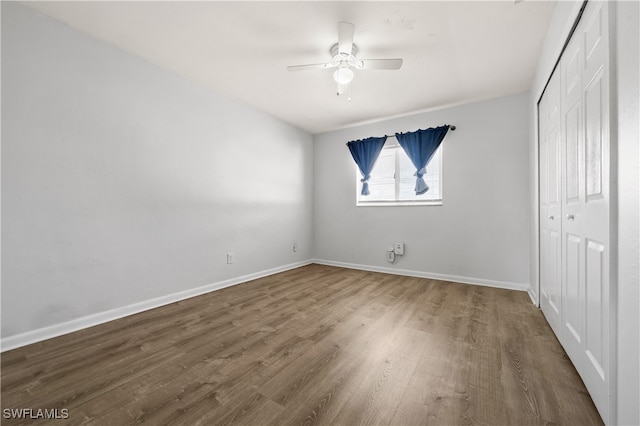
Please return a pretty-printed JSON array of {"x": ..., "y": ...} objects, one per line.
[
  {"x": 478, "y": 235},
  {"x": 122, "y": 182}
]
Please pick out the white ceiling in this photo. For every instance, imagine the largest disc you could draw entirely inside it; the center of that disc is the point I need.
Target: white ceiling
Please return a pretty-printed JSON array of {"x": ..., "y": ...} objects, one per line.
[{"x": 453, "y": 51}]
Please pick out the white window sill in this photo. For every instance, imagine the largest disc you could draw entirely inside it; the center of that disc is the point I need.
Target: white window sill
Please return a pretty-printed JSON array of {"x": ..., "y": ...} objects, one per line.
[{"x": 398, "y": 203}]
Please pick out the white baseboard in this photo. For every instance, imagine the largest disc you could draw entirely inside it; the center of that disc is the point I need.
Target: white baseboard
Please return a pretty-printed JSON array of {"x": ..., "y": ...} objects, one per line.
[
  {"x": 533, "y": 297},
  {"x": 56, "y": 330},
  {"x": 430, "y": 275}
]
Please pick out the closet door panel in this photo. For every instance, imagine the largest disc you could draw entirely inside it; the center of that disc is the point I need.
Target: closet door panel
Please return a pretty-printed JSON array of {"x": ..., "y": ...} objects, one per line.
[
  {"x": 573, "y": 154},
  {"x": 573, "y": 321},
  {"x": 589, "y": 218},
  {"x": 595, "y": 343},
  {"x": 593, "y": 134},
  {"x": 573, "y": 291},
  {"x": 543, "y": 153},
  {"x": 555, "y": 274},
  {"x": 596, "y": 219},
  {"x": 555, "y": 240},
  {"x": 550, "y": 205}
]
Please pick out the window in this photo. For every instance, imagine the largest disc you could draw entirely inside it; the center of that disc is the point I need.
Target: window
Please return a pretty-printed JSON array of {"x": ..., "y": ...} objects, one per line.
[{"x": 392, "y": 179}]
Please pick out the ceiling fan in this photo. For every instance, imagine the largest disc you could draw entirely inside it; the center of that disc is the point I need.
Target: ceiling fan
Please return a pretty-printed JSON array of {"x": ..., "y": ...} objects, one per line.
[{"x": 343, "y": 59}]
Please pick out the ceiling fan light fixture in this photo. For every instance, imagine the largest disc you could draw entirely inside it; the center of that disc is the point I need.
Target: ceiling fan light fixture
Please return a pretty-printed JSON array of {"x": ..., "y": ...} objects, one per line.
[{"x": 343, "y": 75}]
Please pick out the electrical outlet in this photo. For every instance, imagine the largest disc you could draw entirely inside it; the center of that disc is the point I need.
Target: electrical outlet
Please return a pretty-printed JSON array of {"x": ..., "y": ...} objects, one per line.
[
  {"x": 391, "y": 256},
  {"x": 230, "y": 257},
  {"x": 398, "y": 248},
  {"x": 295, "y": 247}
]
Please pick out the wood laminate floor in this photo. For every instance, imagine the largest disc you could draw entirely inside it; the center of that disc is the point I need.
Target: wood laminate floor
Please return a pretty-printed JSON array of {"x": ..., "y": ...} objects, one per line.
[{"x": 315, "y": 345}]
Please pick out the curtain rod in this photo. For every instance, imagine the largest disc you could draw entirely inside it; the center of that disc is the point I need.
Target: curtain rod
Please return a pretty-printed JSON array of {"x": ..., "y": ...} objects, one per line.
[{"x": 451, "y": 127}]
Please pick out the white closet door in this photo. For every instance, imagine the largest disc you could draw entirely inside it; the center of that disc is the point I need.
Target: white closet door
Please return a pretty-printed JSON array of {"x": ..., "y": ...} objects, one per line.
[
  {"x": 573, "y": 197},
  {"x": 575, "y": 248},
  {"x": 550, "y": 206},
  {"x": 585, "y": 207}
]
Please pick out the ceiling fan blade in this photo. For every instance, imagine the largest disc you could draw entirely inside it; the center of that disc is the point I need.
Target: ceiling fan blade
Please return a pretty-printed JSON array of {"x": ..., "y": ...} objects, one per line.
[
  {"x": 345, "y": 37},
  {"x": 310, "y": 67},
  {"x": 379, "y": 64}
]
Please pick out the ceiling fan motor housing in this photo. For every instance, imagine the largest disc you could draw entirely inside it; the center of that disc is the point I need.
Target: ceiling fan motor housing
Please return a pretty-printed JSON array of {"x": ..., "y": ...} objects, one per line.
[{"x": 341, "y": 59}]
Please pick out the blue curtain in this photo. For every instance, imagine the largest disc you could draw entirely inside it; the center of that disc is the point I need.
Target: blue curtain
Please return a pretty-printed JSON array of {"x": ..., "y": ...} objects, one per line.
[
  {"x": 420, "y": 146},
  {"x": 365, "y": 153}
]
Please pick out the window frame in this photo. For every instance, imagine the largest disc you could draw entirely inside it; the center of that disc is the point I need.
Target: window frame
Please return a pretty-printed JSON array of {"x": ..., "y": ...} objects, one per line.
[{"x": 393, "y": 144}]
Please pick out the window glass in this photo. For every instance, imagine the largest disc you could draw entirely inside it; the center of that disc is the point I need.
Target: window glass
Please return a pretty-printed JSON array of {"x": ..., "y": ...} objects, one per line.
[{"x": 393, "y": 181}]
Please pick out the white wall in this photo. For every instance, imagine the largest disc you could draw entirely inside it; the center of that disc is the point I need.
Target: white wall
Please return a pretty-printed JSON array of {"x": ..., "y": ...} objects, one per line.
[
  {"x": 625, "y": 75},
  {"x": 123, "y": 183},
  {"x": 479, "y": 234}
]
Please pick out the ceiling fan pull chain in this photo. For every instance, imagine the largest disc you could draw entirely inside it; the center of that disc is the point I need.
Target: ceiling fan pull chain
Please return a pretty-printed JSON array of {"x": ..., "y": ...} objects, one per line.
[{"x": 349, "y": 89}]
